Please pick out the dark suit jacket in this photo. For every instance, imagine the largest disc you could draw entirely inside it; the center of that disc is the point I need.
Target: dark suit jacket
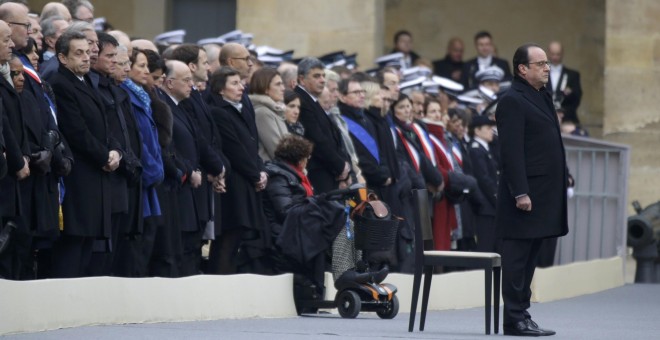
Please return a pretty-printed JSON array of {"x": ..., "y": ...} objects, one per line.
[
  {"x": 484, "y": 169},
  {"x": 82, "y": 120},
  {"x": 449, "y": 69},
  {"x": 533, "y": 163},
  {"x": 329, "y": 155},
  {"x": 16, "y": 145},
  {"x": 200, "y": 113},
  {"x": 241, "y": 205},
  {"x": 471, "y": 68},
  {"x": 569, "y": 102},
  {"x": 184, "y": 139}
]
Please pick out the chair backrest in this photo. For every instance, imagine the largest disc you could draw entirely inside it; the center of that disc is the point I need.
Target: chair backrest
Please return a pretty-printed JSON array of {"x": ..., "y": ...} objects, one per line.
[{"x": 422, "y": 221}]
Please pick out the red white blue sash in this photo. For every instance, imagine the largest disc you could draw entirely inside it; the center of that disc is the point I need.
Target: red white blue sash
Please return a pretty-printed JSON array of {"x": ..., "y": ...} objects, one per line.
[
  {"x": 414, "y": 155},
  {"x": 425, "y": 142},
  {"x": 440, "y": 146}
]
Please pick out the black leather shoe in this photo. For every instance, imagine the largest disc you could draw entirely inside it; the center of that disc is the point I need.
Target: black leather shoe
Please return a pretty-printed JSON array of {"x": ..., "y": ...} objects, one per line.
[{"x": 526, "y": 328}]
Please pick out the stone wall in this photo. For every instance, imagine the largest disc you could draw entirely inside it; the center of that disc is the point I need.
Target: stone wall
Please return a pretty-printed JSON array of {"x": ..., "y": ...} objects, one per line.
[
  {"x": 632, "y": 78},
  {"x": 316, "y": 27},
  {"x": 579, "y": 25}
]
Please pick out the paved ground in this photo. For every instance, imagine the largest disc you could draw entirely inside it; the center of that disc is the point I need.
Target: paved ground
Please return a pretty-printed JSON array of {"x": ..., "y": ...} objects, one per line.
[{"x": 629, "y": 312}]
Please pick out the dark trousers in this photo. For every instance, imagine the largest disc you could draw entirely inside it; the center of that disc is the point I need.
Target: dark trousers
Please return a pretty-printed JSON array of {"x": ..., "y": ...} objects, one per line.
[
  {"x": 167, "y": 252},
  {"x": 518, "y": 263},
  {"x": 547, "y": 253},
  {"x": 16, "y": 261},
  {"x": 486, "y": 235},
  {"x": 72, "y": 256},
  {"x": 191, "y": 260}
]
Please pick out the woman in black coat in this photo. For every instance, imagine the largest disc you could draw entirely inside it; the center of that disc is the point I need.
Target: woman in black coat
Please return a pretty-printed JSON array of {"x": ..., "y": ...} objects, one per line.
[{"x": 244, "y": 225}]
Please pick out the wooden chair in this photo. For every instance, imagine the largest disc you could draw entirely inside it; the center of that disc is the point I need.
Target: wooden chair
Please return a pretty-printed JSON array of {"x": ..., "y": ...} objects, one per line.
[{"x": 426, "y": 261}]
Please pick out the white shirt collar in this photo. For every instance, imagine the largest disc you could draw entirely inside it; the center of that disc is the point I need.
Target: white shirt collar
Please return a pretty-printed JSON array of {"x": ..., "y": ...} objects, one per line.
[
  {"x": 482, "y": 142},
  {"x": 555, "y": 75},
  {"x": 311, "y": 95},
  {"x": 484, "y": 62},
  {"x": 176, "y": 102}
]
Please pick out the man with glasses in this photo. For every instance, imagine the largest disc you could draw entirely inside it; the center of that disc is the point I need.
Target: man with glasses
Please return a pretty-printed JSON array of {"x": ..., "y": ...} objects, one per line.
[
  {"x": 531, "y": 200},
  {"x": 16, "y": 16}
]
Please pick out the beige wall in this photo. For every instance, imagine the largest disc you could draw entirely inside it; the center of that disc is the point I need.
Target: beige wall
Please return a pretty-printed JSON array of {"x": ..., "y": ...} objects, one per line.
[
  {"x": 632, "y": 61},
  {"x": 139, "y": 18},
  {"x": 315, "y": 27},
  {"x": 579, "y": 25}
]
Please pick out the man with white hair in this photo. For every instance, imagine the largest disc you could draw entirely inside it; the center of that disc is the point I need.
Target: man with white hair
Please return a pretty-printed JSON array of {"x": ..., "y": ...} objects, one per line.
[{"x": 52, "y": 27}]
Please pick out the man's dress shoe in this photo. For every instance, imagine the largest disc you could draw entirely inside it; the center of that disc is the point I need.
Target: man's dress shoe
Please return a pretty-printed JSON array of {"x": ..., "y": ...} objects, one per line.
[{"x": 526, "y": 328}]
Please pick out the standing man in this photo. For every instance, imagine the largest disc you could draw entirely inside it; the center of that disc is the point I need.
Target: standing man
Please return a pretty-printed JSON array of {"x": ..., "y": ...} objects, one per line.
[
  {"x": 82, "y": 120},
  {"x": 531, "y": 201},
  {"x": 483, "y": 43},
  {"x": 329, "y": 167},
  {"x": 564, "y": 83}
]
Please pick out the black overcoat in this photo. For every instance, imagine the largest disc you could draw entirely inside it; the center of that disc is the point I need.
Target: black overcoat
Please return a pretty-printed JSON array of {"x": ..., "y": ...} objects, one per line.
[
  {"x": 484, "y": 169},
  {"x": 329, "y": 155},
  {"x": 16, "y": 147},
  {"x": 533, "y": 163},
  {"x": 242, "y": 206},
  {"x": 184, "y": 139},
  {"x": 82, "y": 120}
]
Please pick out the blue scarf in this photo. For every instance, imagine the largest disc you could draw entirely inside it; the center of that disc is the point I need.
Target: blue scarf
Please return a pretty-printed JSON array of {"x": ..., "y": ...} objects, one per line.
[{"x": 142, "y": 95}]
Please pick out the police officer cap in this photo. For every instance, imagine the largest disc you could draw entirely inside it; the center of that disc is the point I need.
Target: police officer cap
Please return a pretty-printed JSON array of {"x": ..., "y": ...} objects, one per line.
[
  {"x": 478, "y": 121},
  {"x": 492, "y": 73}
]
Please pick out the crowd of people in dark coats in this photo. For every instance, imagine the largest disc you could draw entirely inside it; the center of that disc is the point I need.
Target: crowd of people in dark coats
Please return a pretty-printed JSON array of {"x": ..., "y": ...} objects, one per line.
[{"x": 134, "y": 158}]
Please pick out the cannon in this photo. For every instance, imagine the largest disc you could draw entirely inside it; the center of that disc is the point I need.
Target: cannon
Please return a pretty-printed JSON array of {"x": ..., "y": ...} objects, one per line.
[{"x": 643, "y": 237}]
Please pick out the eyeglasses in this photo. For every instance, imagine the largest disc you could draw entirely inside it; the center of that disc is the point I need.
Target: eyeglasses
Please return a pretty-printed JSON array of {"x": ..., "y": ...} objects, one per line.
[
  {"x": 27, "y": 26},
  {"x": 185, "y": 80},
  {"x": 539, "y": 63},
  {"x": 15, "y": 73},
  {"x": 358, "y": 92},
  {"x": 246, "y": 59},
  {"x": 124, "y": 63}
]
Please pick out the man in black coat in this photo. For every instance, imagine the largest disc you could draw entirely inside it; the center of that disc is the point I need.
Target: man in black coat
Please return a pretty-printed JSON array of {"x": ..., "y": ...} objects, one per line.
[
  {"x": 192, "y": 149},
  {"x": 483, "y": 42},
  {"x": 82, "y": 120},
  {"x": 196, "y": 59},
  {"x": 564, "y": 83},
  {"x": 126, "y": 182},
  {"x": 17, "y": 155},
  {"x": 329, "y": 167},
  {"x": 452, "y": 65},
  {"x": 531, "y": 201}
]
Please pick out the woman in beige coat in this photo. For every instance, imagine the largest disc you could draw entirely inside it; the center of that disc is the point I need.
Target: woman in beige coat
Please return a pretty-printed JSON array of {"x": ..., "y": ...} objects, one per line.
[{"x": 267, "y": 96}]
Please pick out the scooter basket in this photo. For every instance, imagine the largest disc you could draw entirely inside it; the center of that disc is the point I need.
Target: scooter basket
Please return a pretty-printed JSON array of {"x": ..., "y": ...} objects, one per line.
[{"x": 375, "y": 234}]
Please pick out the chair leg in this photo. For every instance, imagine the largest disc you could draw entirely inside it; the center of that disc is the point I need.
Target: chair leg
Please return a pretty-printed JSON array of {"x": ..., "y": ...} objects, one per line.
[
  {"x": 496, "y": 291},
  {"x": 428, "y": 275},
  {"x": 489, "y": 289},
  {"x": 417, "y": 281}
]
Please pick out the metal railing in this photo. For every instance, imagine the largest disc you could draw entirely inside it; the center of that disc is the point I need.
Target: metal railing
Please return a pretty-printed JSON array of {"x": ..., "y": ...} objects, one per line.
[{"x": 597, "y": 211}]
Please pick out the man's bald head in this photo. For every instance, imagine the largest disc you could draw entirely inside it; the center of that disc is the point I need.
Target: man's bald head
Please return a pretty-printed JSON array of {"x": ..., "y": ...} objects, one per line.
[
  {"x": 55, "y": 8},
  {"x": 178, "y": 80},
  {"x": 5, "y": 43},
  {"x": 16, "y": 16},
  {"x": 123, "y": 39},
  {"x": 144, "y": 44},
  {"x": 237, "y": 57},
  {"x": 555, "y": 52}
]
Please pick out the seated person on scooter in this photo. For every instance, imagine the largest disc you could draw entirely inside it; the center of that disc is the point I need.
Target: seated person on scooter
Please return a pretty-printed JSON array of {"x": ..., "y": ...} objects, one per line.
[{"x": 302, "y": 227}]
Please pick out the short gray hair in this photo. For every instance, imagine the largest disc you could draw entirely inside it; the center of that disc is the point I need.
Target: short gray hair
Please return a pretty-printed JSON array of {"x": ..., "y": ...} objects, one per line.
[
  {"x": 308, "y": 64},
  {"x": 48, "y": 28},
  {"x": 81, "y": 26},
  {"x": 331, "y": 75}
]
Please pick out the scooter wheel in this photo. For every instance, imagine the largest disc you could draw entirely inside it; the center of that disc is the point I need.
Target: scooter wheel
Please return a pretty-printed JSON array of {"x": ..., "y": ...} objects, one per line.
[
  {"x": 391, "y": 310},
  {"x": 349, "y": 304}
]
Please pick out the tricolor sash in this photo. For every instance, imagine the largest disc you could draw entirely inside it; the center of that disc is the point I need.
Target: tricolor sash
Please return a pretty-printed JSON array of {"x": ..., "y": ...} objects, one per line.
[
  {"x": 425, "y": 142},
  {"x": 440, "y": 146},
  {"x": 414, "y": 155},
  {"x": 363, "y": 136}
]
